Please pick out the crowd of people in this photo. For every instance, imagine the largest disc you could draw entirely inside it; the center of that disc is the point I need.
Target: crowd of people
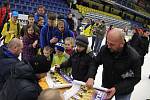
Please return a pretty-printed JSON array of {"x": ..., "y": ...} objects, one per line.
[{"x": 51, "y": 40}]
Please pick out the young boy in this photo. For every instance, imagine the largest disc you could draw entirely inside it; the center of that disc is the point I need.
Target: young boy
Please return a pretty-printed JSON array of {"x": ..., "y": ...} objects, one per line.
[
  {"x": 69, "y": 45},
  {"x": 42, "y": 63}
]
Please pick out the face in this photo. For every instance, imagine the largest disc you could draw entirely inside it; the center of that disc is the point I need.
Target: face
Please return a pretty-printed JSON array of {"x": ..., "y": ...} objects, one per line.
[
  {"x": 46, "y": 53},
  {"x": 30, "y": 30},
  {"x": 50, "y": 22},
  {"x": 14, "y": 18},
  {"x": 80, "y": 48},
  {"x": 31, "y": 20},
  {"x": 70, "y": 16},
  {"x": 58, "y": 52},
  {"x": 68, "y": 45},
  {"x": 61, "y": 26},
  {"x": 41, "y": 11},
  {"x": 114, "y": 45},
  {"x": 41, "y": 22}
]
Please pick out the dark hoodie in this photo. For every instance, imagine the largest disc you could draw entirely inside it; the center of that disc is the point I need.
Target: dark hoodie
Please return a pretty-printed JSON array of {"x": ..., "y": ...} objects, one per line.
[
  {"x": 22, "y": 84},
  {"x": 6, "y": 61}
]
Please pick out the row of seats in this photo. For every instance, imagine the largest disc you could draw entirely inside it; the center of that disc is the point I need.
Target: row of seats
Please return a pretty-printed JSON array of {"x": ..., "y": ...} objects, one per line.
[
  {"x": 108, "y": 20},
  {"x": 26, "y": 6},
  {"x": 85, "y": 10}
]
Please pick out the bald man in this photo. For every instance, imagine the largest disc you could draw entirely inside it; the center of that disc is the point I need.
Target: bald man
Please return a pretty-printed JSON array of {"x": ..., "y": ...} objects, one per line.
[
  {"x": 8, "y": 56},
  {"x": 121, "y": 66}
]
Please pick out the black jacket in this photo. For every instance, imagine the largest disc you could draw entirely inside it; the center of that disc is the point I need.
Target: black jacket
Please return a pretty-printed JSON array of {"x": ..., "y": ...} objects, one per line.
[
  {"x": 22, "y": 84},
  {"x": 80, "y": 64},
  {"x": 41, "y": 64},
  {"x": 6, "y": 61},
  {"x": 122, "y": 70}
]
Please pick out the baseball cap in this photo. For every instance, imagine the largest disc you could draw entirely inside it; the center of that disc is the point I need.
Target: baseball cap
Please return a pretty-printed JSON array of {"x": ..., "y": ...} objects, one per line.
[{"x": 15, "y": 13}]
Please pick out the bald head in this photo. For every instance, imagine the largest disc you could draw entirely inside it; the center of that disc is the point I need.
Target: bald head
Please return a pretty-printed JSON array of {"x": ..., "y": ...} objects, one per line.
[
  {"x": 115, "y": 39},
  {"x": 116, "y": 34},
  {"x": 50, "y": 94},
  {"x": 15, "y": 46}
]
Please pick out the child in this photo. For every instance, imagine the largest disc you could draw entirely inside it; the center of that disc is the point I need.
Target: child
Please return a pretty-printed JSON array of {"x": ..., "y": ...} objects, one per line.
[
  {"x": 30, "y": 44},
  {"x": 42, "y": 63},
  {"x": 60, "y": 56},
  {"x": 69, "y": 45}
]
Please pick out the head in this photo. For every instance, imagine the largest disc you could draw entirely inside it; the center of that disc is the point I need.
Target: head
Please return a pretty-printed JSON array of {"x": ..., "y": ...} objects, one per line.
[
  {"x": 61, "y": 25},
  {"x": 59, "y": 48},
  {"x": 145, "y": 33},
  {"x": 30, "y": 30},
  {"x": 70, "y": 15},
  {"x": 51, "y": 19},
  {"x": 47, "y": 51},
  {"x": 41, "y": 10},
  {"x": 15, "y": 46},
  {"x": 115, "y": 40},
  {"x": 14, "y": 16},
  {"x": 40, "y": 21},
  {"x": 31, "y": 19},
  {"x": 81, "y": 43},
  {"x": 50, "y": 94},
  {"x": 69, "y": 43}
]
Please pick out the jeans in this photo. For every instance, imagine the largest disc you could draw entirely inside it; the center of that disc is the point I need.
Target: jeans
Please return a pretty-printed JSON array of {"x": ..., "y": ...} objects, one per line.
[{"x": 123, "y": 97}]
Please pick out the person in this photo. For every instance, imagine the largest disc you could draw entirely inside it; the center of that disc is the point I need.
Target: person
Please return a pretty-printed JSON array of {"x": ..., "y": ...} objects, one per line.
[
  {"x": 41, "y": 13},
  {"x": 8, "y": 56},
  {"x": 140, "y": 43},
  {"x": 42, "y": 63},
  {"x": 4, "y": 14},
  {"x": 60, "y": 56},
  {"x": 48, "y": 35},
  {"x": 70, "y": 21},
  {"x": 30, "y": 44},
  {"x": 50, "y": 94},
  {"x": 80, "y": 60},
  {"x": 121, "y": 66},
  {"x": 11, "y": 28},
  {"x": 22, "y": 83},
  {"x": 69, "y": 45}
]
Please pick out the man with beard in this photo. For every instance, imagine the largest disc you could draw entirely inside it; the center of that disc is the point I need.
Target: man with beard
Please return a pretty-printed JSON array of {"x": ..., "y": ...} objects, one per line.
[
  {"x": 9, "y": 56},
  {"x": 80, "y": 60},
  {"x": 121, "y": 66}
]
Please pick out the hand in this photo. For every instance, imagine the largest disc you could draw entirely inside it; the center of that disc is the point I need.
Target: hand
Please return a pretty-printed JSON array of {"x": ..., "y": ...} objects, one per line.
[
  {"x": 57, "y": 66},
  {"x": 90, "y": 82},
  {"x": 54, "y": 40},
  {"x": 110, "y": 93},
  {"x": 35, "y": 43}
]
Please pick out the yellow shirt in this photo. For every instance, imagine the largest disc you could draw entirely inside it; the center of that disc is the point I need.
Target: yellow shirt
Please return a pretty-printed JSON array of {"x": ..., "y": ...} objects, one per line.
[{"x": 9, "y": 35}]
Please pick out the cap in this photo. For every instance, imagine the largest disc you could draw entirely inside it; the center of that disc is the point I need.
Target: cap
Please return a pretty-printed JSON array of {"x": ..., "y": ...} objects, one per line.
[{"x": 15, "y": 13}]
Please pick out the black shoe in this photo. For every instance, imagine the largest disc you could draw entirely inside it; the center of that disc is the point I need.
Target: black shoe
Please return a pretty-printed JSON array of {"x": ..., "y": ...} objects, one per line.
[{"x": 149, "y": 77}]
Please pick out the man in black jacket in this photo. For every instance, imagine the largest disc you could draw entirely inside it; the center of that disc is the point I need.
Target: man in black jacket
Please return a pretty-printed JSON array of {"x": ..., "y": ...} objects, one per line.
[
  {"x": 8, "y": 56},
  {"x": 121, "y": 66}
]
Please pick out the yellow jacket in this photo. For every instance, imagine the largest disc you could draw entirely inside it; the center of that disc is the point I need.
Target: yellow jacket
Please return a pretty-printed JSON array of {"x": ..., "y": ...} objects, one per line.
[
  {"x": 88, "y": 31},
  {"x": 9, "y": 35}
]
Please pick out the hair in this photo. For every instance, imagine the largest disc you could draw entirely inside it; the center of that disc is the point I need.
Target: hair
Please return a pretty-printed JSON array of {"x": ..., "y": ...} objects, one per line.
[
  {"x": 30, "y": 15},
  {"x": 50, "y": 94},
  {"x": 40, "y": 18},
  {"x": 71, "y": 40},
  {"x": 40, "y": 6},
  {"x": 51, "y": 16},
  {"x": 47, "y": 48},
  {"x": 15, "y": 42}
]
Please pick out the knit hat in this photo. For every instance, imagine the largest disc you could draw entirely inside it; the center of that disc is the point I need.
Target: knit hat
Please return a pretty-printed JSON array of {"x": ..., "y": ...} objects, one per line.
[
  {"x": 59, "y": 46},
  {"x": 82, "y": 40}
]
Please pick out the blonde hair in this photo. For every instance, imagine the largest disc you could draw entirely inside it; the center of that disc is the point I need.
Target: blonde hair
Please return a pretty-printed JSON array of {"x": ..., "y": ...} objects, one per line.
[{"x": 71, "y": 40}]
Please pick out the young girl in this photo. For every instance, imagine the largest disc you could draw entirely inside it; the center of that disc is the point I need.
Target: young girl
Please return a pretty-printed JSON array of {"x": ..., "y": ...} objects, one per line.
[
  {"x": 69, "y": 45},
  {"x": 30, "y": 44}
]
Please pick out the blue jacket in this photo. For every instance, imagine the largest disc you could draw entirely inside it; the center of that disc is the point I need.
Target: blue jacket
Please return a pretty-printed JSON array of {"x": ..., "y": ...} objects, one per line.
[
  {"x": 47, "y": 33},
  {"x": 36, "y": 17},
  {"x": 6, "y": 61},
  {"x": 67, "y": 32}
]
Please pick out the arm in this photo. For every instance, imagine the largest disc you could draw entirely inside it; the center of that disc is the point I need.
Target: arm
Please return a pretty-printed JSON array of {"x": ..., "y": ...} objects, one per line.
[{"x": 43, "y": 37}]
